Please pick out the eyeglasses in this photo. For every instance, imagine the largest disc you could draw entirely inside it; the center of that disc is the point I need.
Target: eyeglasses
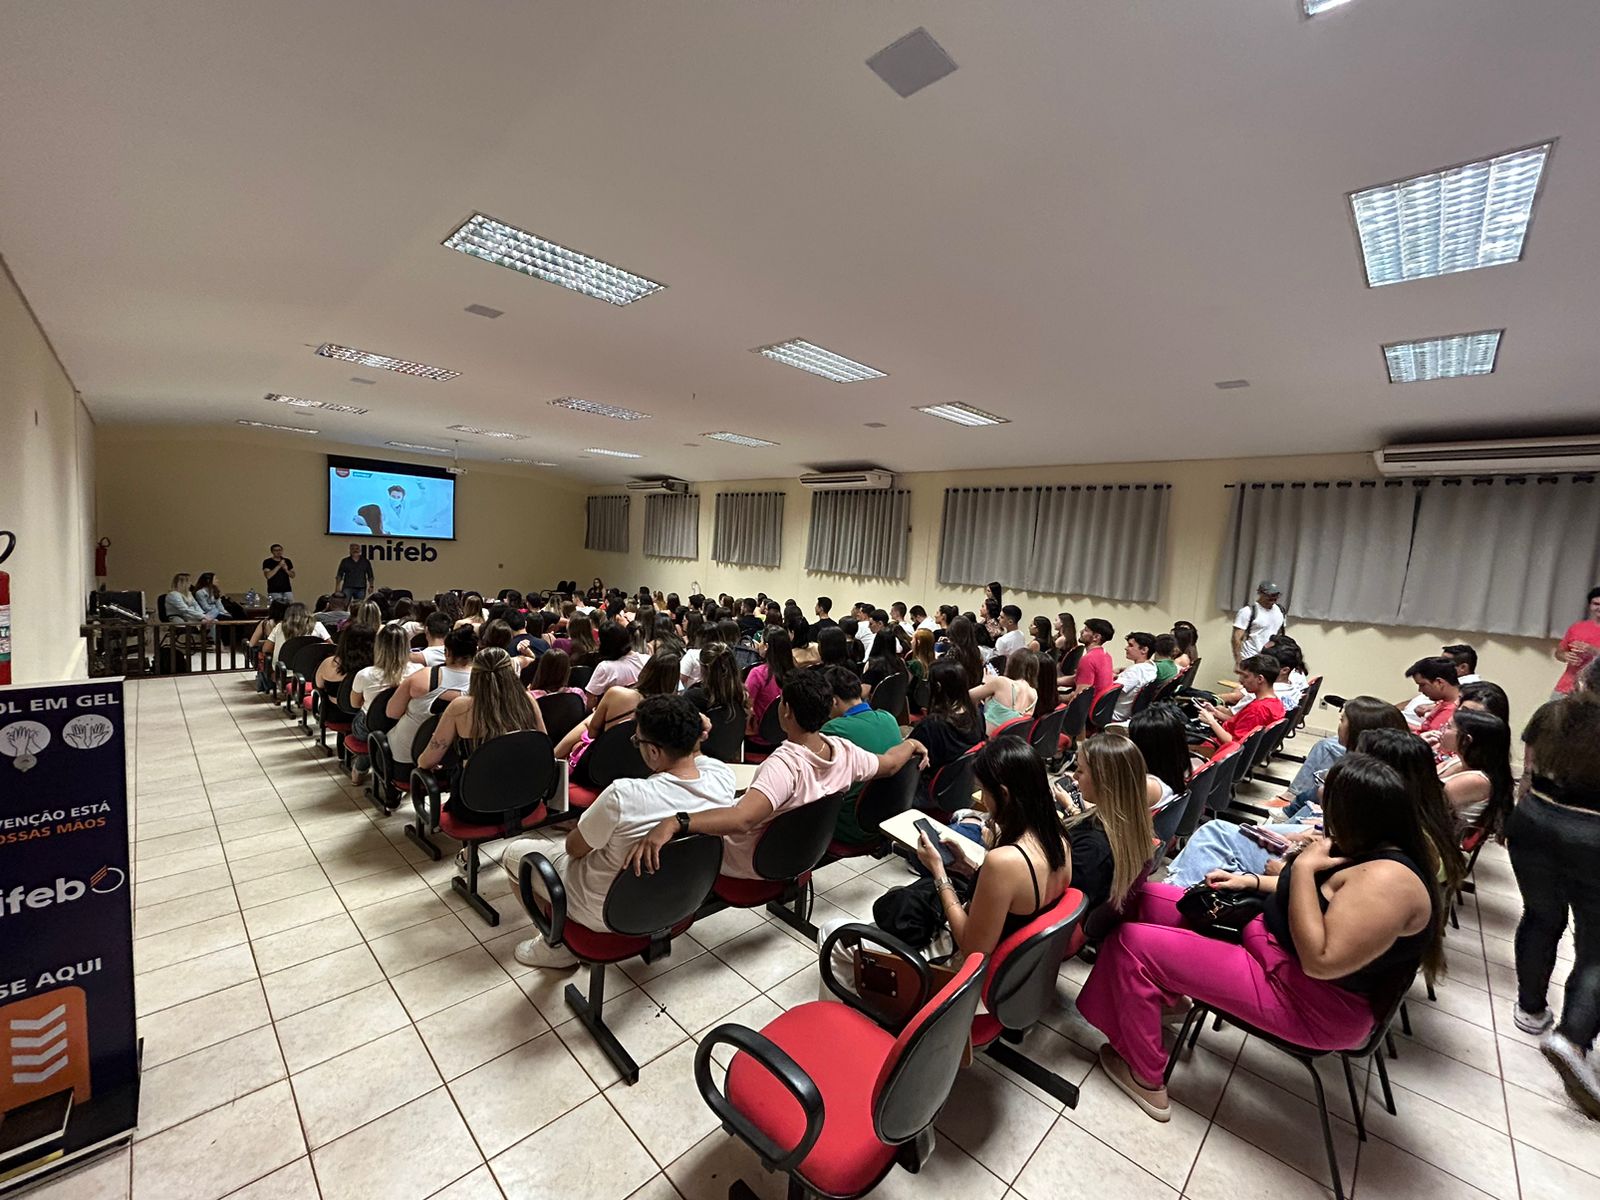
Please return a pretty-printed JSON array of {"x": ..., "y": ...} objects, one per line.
[{"x": 640, "y": 743}]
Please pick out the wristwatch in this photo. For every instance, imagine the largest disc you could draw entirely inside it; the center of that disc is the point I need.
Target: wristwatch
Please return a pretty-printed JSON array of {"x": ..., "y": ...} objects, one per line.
[{"x": 683, "y": 822}]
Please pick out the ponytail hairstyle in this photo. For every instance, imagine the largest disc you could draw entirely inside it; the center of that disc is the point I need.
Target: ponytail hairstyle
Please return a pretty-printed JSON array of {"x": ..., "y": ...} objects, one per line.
[
  {"x": 500, "y": 704},
  {"x": 719, "y": 675}
]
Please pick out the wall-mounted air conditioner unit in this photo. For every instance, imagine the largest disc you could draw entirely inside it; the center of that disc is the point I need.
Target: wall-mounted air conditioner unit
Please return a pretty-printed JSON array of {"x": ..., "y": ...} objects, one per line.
[
  {"x": 1515, "y": 456},
  {"x": 659, "y": 487},
  {"x": 875, "y": 481}
]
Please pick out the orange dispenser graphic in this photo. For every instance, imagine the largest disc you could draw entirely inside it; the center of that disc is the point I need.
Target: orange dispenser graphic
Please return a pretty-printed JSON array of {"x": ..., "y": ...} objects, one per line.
[{"x": 46, "y": 1048}]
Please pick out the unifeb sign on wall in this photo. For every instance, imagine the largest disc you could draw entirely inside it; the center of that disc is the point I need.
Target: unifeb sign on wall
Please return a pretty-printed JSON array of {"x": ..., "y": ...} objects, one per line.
[{"x": 398, "y": 550}]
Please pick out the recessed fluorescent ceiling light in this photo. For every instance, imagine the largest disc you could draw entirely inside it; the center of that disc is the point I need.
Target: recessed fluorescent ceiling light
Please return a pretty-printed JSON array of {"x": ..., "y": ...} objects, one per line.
[
  {"x": 576, "y": 404},
  {"x": 963, "y": 414},
  {"x": 808, "y": 357},
  {"x": 1443, "y": 357},
  {"x": 483, "y": 310},
  {"x": 1313, "y": 7},
  {"x": 302, "y": 402},
  {"x": 368, "y": 359},
  {"x": 528, "y": 462},
  {"x": 420, "y": 449},
  {"x": 1459, "y": 219},
  {"x": 912, "y": 63},
  {"x": 611, "y": 453},
  {"x": 358, "y": 379},
  {"x": 494, "y": 241},
  {"x": 1228, "y": 385},
  {"x": 279, "y": 428},
  {"x": 488, "y": 433},
  {"x": 736, "y": 439}
]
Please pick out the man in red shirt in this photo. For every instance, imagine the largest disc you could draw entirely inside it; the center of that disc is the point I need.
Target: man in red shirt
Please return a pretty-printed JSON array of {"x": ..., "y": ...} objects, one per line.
[
  {"x": 1256, "y": 677},
  {"x": 1096, "y": 672},
  {"x": 1436, "y": 678}
]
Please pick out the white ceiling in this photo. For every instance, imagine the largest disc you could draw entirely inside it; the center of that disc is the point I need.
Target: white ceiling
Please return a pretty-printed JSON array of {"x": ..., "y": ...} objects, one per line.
[{"x": 1107, "y": 208}]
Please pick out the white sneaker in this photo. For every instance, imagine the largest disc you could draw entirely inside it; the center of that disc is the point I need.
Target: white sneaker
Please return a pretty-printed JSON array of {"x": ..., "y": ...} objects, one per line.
[
  {"x": 536, "y": 953},
  {"x": 1534, "y": 1023},
  {"x": 1576, "y": 1071}
]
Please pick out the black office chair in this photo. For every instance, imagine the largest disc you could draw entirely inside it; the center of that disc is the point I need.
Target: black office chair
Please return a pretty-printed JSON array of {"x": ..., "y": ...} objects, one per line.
[
  {"x": 891, "y": 696},
  {"x": 562, "y": 712},
  {"x": 790, "y": 848},
  {"x": 725, "y": 742},
  {"x": 769, "y": 736},
  {"x": 610, "y": 757}
]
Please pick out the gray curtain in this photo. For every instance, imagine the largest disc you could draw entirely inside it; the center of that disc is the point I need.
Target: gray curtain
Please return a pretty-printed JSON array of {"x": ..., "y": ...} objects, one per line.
[
  {"x": 1504, "y": 555},
  {"x": 748, "y": 529},
  {"x": 672, "y": 526},
  {"x": 607, "y": 526},
  {"x": 987, "y": 533},
  {"x": 1339, "y": 550},
  {"x": 1107, "y": 540},
  {"x": 860, "y": 533}
]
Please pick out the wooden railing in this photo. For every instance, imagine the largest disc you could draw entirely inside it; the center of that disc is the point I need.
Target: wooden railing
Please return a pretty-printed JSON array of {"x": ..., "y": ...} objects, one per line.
[{"x": 166, "y": 647}]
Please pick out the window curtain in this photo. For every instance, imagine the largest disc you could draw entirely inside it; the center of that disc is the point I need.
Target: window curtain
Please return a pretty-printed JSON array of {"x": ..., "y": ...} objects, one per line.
[
  {"x": 1339, "y": 550},
  {"x": 607, "y": 525},
  {"x": 1504, "y": 555},
  {"x": 1108, "y": 541},
  {"x": 748, "y": 529},
  {"x": 987, "y": 533},
  {"x": 672, "y": 526},
  {"x": 860, "y": 533}
]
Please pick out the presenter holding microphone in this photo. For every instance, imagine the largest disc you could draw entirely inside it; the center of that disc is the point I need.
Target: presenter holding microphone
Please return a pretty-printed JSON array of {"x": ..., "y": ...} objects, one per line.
[
  {"x": 278, "y": 571},
  {"x": 354, "y": 575}
]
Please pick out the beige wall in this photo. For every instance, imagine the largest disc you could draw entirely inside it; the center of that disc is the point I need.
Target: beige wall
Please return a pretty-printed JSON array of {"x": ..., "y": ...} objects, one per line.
[
  {"x": 46, "y": 497},
  {"x": 173, "y": 501},
  {"x": 1354, "y": 659}
]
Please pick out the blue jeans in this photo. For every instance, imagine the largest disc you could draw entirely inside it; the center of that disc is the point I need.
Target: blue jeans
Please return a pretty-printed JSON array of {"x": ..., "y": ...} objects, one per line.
[
  {"x": 354, "y": 594},
  {"x": 1220, "y": 844}
]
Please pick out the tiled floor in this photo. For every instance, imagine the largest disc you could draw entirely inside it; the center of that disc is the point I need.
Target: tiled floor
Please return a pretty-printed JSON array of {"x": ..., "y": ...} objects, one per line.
[{"x": 322, "y": 1018}]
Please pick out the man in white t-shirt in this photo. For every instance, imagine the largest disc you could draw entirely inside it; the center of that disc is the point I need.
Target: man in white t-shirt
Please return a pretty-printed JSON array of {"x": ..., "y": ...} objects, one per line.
[
  {"x": 1139, "y": 674},
  {"x": 807, "y": 767},
  {"x": 1254, "y": 624},
  {"x": 897, "y": 614},
  {"x": 1011, "y": 638},
  {"x": 921, "y": 620},
  {"x": 668, "y": 731}
]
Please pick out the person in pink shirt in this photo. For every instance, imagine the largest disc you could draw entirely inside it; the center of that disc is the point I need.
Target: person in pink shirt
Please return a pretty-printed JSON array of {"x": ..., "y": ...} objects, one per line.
[
  {"x": 765, "y": 682},
  {"x": 1436, "y": 679},
  {"x": 1096, "y": 672},
  {"x": 1579, "y": 645},
  {"x": 807, "y": 767}
]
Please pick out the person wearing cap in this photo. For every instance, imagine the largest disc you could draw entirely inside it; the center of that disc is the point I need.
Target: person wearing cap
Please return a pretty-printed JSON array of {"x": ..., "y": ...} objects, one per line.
[{"x": 1256, "y": 623}]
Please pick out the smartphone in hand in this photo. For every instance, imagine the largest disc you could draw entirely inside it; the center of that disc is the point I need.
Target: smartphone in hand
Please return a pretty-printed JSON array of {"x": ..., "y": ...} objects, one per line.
[{"x": 926, "y": 829}]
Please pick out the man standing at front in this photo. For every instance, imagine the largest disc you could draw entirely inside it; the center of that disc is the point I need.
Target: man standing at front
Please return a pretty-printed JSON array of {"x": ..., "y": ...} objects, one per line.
[
  {"x": 1255, "y": 623},
  {"x": 278, "y": 571},
  {"x": 354, "y": 575}
]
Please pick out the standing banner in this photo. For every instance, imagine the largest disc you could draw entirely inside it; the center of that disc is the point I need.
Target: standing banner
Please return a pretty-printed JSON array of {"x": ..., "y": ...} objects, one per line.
[{"x": 69, "y": 1062}]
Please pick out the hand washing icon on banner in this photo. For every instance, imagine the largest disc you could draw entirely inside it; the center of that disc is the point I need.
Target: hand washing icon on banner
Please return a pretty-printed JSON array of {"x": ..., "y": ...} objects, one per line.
[
  {"x": 87, "y": 732},
  {"x": 22, "y": 741}
]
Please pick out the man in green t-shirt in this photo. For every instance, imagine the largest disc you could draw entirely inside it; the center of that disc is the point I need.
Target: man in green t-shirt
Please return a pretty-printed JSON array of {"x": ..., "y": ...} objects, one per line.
[
  {"x": 1161, "y": 654},
  {"x": 858, "y": 723}
]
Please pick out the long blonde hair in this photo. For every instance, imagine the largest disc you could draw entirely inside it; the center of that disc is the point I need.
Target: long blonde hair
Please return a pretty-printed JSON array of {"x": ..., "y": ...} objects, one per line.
[
  {"x": 390, "y": 654},
  {"x": 297, "y": 621},
  {"x": 1122, "y": 806},
  {"x": 367, "y": 615},
  {"x": 500, "y": 704}
]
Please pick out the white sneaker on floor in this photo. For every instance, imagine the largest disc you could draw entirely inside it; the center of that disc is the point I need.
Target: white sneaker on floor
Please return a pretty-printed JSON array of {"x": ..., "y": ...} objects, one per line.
[
  {"x": 1576, "y": 1071},
  {"x": 1534, "y": 1023},
  {"x": 536, "y": 953}
]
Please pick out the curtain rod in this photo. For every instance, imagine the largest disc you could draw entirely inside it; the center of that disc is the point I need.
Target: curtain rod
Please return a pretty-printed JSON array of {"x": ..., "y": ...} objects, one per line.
[
  {"x": 1442, "y": 480},
  {"x": 1063, "y": 487}
]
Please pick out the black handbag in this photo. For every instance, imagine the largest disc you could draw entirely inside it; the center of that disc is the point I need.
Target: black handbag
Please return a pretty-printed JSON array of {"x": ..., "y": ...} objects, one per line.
[{"x": 1219, "y": 913}]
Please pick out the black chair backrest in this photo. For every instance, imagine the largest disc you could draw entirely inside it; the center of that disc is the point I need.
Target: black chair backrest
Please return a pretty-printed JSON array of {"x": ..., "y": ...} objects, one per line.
[
  {"x": 891, "y": 694},
  {"x": 880, "y": 799},
  {"x": 952, "y": 788},
  {"x": 1105, "y": 708},
  {"x": 562, "y": 712},
  {"x": 770, "y": 732},
  {"x": 1313, "y": 690},
  {"x": 1166, "y": 821},
  {"x": 1021, "y": 986},
  {"x": 506, "y": 778},
  {"x": 293, "y": 646},
  {"x": 725, "y": 742},
  {"x": 613, "y": 756},
  {"x": 653, "y": 902},
  {"x": 1202, "y": 785},
  {"x": 1146, "y": 697},
  {"x": 378, "y": 718},
  {"x": 424, "y": 735},
  {"x": 917, "y": 1083},
  {"x": 1188, "y": 677},
  {"x": 1069, "y": 661},
  {"x": 579, "y": 676},
  {"x": 921, "y": 694},
  {"x": 161, "y": 607},
  {"x": 795, "y": 841},
  {"x": 1229, "y": 771},
  {"x": 1077, "y": 715},
  {"x": 1046, "y": 735},
  {"x": 306, "y": 660},
  {"x": 344, "y": 706}
]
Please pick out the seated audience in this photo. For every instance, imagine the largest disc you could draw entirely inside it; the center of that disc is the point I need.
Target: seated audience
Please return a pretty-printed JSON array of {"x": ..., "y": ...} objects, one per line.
[
  {"x": 1486, "y": 697},
  {"x": 1475, "y": 765},
  {"x": 1159, "y": 732},
  {"x": 1256, "y": 676},
  {"x": 181, "y": 606},
  {"x": 495, "y": 704},
  {"x": 658, "y": 678},
  {"x": 920, "y": 663},
  {"x": 1187, "y": 638},
  {"x": 1359, "y": 714},
  {"x": 1011, "y": 638},
  {"x": 807, "y": 767},
  {"x": 1066, "y": 639},
  {"x": 833, "y": 648},
  {"x": 552, "y": 675},
  {"x": 858, "y": 723},
  {"x": 412, "y": 702},
  {"x": 619, "y": 663},
  {"x": 721, "y": 688},
  {"x": 922, "y": 621},
  {"x": 391, "y": 666},
  {"x": 963, "y": 648},
  {"x": 824, "y": 614},
  {"x": 207, "y": 594},
  {"x": 581, "y": 642},
  {"x": 1438, "y": 684},
  {"x": 1465, "y": 659},
  {"x": 1290, "y": 684},
  {"x": 1095, "y": 673},
  {"x": 900, "y": 620},
  {"x": 333, "y": 612},
  {"x": 1139, "y": 674},
  {"x": 952, "y": 725},
  {"x": 765, "y": 682},
  {"x": 884, "y": 661},
  {"x": 1162, "y": 651},
  {"x": 261, "y": 639},
  {"x": 1005, "y": 698},
  {"x": 1341, "y": 935},
  {"x": 433, "y": 630},
  {"x": 1041, "y": 638}
]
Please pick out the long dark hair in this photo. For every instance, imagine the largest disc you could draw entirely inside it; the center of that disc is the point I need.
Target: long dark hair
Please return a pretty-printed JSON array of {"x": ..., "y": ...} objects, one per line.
[
  {"x": 799, "y": 628},
  {"x": 1045, "y": 684},
  {"x": 1362, "y": 713},
  {"x": 1188, "y": 639},
  {"x": 719, "y": 674},
  {"x": 553, "y": 672},
  {"x": 615, "y": 641},
  {"x": 886, "y": 656},
  {"x": 963, "y": 636},
  {"x": 356, "y": 644},
  {"x": 1014, "y": 777},
  {"x": 780, "y": 654},
  {"x": 949, "y": 696},
  {"x": 833, "y": 647},
  {"x": 1484, "y": 744},
  {"x": 1381, "y": 794},
  {"x": 1159, "y": 732}
]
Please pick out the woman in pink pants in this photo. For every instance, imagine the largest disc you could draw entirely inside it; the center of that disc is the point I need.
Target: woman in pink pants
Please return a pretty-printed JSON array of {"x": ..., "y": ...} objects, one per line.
[{"x": 1338, "y": 932}]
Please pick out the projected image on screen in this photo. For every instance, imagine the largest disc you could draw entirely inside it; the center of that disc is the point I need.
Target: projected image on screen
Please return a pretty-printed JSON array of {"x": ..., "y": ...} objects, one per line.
[{"x": 369, "y": 498}]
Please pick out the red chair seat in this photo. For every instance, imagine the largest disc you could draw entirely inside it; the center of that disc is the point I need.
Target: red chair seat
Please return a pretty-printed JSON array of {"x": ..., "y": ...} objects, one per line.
[
  {"x": 305, "y": 701},
  {"x": 338, "y": 727},
  {"x": 754, "y": 753},
  {"x": 843, "y": 1052},
  {"x": 985, "y": 1029},
  {"x": 751, "y": 893},
  {"x": 603, "y": 946},
  {"x": 1475, "y": 837},
  {"x": 579, "y": 796},
  {"x": 838, "y": 849},
  {"x": 354, "y": 744},
  {"x": 464, "y": 831}
]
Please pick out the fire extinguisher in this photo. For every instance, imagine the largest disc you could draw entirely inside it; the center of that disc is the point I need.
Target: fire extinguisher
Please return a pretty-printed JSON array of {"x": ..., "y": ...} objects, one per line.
[
  {"x": 100, "y": 548},
  {"x": 5, "y": 608}
]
